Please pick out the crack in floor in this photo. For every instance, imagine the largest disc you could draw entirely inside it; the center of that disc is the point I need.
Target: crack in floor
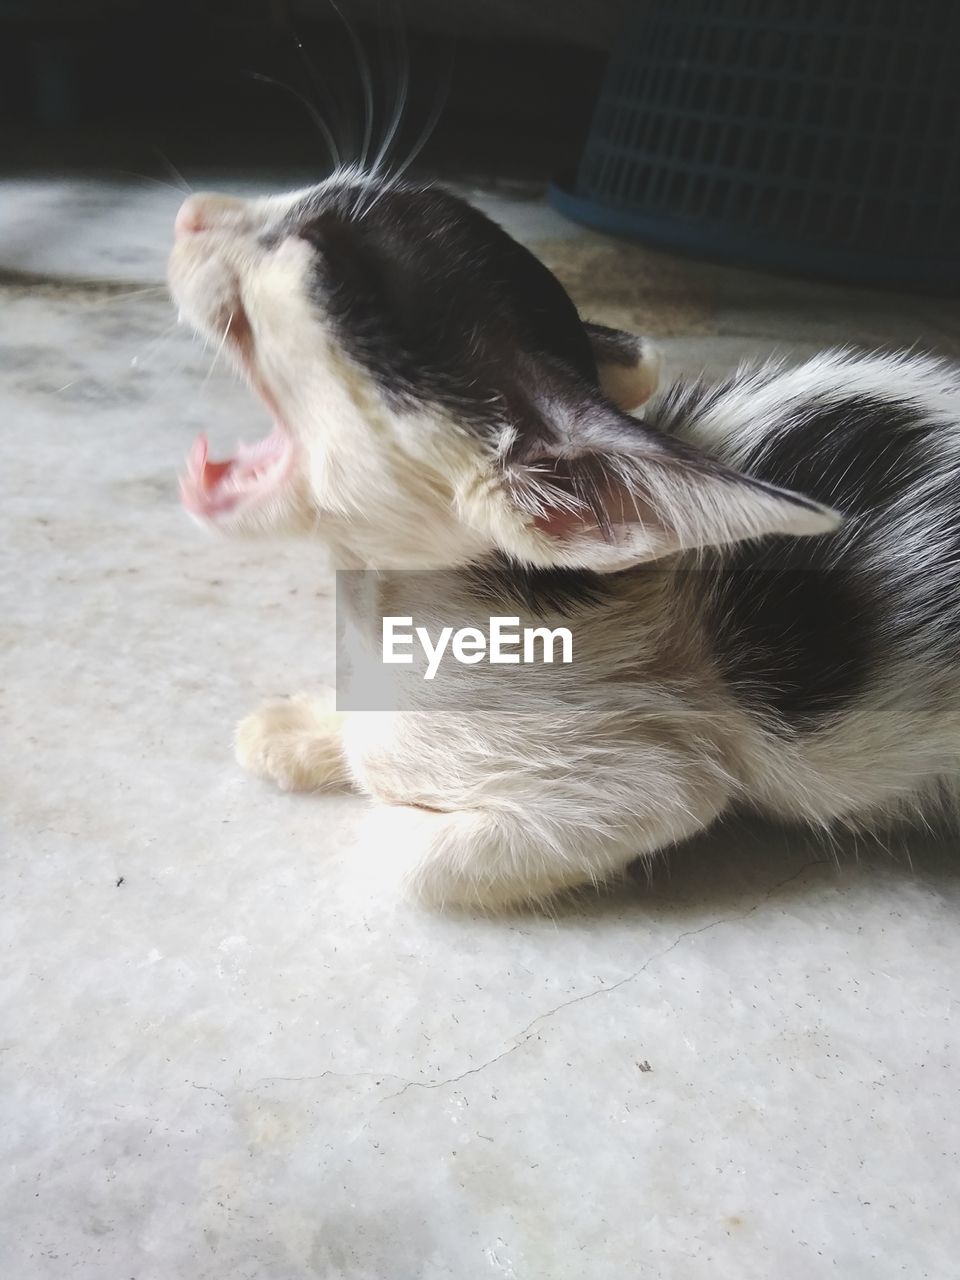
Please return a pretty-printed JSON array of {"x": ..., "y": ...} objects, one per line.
[{"x": 522, "y": 1037}]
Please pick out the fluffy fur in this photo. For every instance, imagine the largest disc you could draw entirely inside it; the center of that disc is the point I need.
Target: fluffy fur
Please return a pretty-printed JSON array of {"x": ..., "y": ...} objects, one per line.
[{"x": 763, "y": 576}]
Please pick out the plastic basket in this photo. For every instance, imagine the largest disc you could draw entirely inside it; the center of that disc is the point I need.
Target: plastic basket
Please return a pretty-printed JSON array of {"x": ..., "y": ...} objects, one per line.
[{"x": 814, "y": 136}]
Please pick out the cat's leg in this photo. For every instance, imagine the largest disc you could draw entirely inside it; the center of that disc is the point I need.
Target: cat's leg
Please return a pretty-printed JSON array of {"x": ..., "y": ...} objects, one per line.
[
  {"x": 294, "y": 743},
  {"x": 629, "y": 367},
  {"x": 490, "y": 858}
]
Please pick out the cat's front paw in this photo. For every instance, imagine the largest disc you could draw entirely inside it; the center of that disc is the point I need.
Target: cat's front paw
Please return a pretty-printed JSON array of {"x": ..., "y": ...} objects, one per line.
[{"x": 293, "y": 743}]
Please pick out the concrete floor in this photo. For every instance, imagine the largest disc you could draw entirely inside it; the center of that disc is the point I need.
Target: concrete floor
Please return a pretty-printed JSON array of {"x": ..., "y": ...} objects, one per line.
[{"x": 225, "y": 1055}]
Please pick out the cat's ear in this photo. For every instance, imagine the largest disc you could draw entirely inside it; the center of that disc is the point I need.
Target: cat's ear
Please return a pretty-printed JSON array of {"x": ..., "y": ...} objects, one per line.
[
  {"x": 629, "y": 366},
  {"x": 604, "y": 491}
]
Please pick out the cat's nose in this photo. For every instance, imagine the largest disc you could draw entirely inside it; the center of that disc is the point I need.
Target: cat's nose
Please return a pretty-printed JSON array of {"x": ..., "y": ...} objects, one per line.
[{"x": 203, "y": 211}]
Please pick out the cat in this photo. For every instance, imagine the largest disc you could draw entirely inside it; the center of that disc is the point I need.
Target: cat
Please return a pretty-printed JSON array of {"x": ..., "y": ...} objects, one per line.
[{"x": 762, "y": 576}]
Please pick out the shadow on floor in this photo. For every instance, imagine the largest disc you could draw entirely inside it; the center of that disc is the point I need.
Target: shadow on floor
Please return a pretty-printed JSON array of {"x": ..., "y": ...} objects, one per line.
[{"x": 738, "y": 865}]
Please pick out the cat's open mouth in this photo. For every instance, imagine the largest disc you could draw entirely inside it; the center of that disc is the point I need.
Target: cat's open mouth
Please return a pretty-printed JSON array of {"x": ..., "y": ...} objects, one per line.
[{"x": 211, "y": 489}]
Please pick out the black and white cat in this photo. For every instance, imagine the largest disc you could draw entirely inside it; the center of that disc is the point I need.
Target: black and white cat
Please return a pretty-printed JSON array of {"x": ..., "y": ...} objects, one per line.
[{"x": 763, "y": 576}]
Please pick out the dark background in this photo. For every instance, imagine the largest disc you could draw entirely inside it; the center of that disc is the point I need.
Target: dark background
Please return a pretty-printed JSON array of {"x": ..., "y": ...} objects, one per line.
[{"x": 99, "y": 84}]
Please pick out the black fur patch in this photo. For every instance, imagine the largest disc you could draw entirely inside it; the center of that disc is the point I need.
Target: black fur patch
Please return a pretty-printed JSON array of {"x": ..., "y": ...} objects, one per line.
[
  {"x": 858, "y": 455},
  {"x": 800, "y": 624},
  {"x": 437, "y": 301},
  {"x": 794, "y": 642}
]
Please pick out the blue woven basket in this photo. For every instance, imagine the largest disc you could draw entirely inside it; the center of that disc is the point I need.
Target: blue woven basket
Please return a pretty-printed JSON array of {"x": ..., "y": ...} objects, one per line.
[{"x": 814, "y": 136}]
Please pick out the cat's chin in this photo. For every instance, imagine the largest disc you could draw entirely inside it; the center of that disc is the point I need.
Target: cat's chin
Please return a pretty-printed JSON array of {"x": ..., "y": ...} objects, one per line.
[{"x": 253, "y": 477}]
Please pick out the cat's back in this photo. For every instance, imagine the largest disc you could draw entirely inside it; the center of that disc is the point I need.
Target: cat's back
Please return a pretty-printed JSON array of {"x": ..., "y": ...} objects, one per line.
[{"x": 807, "y": 629}]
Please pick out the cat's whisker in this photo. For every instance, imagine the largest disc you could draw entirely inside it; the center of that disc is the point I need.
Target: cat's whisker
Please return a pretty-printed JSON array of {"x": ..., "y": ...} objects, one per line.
[
  {"x": 400, "y": 102},
  {"x": 181, "y": 180},
  {"x": 322, "y": 127},
  {"x": 366, "y": 82},
  {"x": 439, "y": 103},
  {"x": 115, "y": 298},
  {"x": 146, "y": 177},
  {"x": 321, "y": 90},
  {"x": 139, "y": 361},
  {"x": 426, "y": 133},
  {"x": 216, "y": 355}
]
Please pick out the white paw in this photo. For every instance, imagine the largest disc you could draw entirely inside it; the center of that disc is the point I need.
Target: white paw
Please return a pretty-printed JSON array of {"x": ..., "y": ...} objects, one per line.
[
  {"x": 293, "y": 743},
  {"x": 464, "y": 859}
]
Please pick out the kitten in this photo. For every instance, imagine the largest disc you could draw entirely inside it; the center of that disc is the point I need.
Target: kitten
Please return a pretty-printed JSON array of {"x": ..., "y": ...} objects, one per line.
[{"x": 762, "y": 577}]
